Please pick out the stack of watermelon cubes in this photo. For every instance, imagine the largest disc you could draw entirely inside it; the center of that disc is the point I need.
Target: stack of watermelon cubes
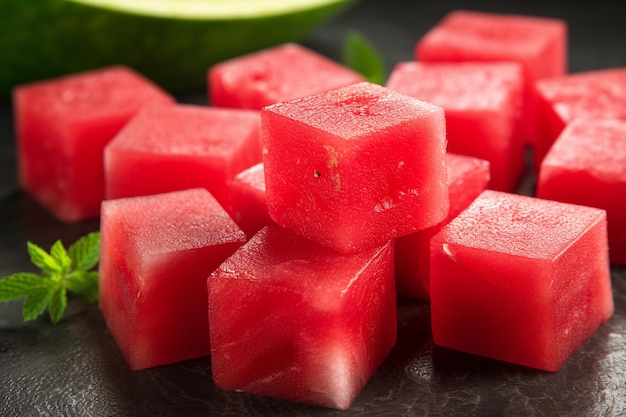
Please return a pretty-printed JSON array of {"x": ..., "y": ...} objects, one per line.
[
  {"x": 482, "y": 301},
  {"x": 538, "y": 44},
  {"x": 274, "y": 228}
]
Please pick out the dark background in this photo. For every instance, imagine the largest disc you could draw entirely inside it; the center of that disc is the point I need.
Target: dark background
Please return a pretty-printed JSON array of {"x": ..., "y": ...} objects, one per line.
[{"x": 75, "y": 368}]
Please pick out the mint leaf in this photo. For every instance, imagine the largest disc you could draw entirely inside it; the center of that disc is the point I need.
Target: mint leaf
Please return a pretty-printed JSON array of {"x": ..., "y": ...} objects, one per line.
[
  {"x": 85, "y": 252},
  {"x": 36, "y": 303},
  {"x": 360, "y": 55},
  {"x": 83, "y": 285},
  {"x": 42, "y": 259},
  {"x": 58, "y": 304},
  {"x": 16, "y": 286},
  {"x": 60, "y": 255},
  {"x": 63, "y": 272}
]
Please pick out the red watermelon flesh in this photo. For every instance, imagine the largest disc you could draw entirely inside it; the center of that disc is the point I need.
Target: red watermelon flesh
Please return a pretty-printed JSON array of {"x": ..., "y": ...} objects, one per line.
[
  {"x": 587, "y": 166},
  {"x": 467, "y": 178},
  {"x": 248, "y": 204},
  {"x": 157, "y": 252},
  {"x": 482, "y": 103},
  {"x": 180, "y": 147},
  {"x": 539, "y": 44},
  {"x": 591, "y": 94},
  {"x": 520, "y": 279},
  {"x": 354, "y": 167},
  {"x": 294, "y": 320},
  {"x": 62, "y": 127},
  {"x": 281, "y": 73}
]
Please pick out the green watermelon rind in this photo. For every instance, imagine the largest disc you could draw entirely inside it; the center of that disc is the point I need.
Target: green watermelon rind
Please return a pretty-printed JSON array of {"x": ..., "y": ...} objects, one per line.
[{"x": 41, "y": 39}]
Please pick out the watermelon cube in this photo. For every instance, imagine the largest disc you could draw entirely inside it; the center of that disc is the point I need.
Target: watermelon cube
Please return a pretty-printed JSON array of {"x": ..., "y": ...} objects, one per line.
[
  {"x": 157, "y": 252},
  {"x": 482, "y": 103},
  {"x": 467, "y": 178},
  {"x": 62, "y": 126},
  {"x": 281, "y": 73},
  {"x": 520, "y": 279},
  {"x": 587, "y": 166},
  {"x": 354, "y": 167},
  {"x": 294, "y": 320},
  {"x": 179, "y": 147},
  {"x": 590, "y": 94},
  {"x": 539, "y": 44},
  {"x": 248, "y": 205}
]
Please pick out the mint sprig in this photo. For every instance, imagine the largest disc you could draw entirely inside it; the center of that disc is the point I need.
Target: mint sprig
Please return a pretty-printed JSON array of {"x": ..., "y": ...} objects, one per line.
[
  {"x": 63, "y": 271},
  {"x": 360, "y": 55}
]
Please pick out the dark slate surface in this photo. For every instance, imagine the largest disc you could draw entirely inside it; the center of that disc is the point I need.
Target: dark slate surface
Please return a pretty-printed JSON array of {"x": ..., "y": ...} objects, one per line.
[{"x": 75, "y": 368}]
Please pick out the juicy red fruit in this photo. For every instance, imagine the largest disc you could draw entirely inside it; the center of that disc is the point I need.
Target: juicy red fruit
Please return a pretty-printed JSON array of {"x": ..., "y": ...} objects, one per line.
[
  {"x": 354, "y": 167},
  {"x": 247, "y": 204},
  {"x": 63, "y": 125},
  {"x": 482, "y": 104},
  {"x": 156, "y": 254},
  {"x": 180, "y": 147},
  {"x": 587, "y": 166},
  {"x": 539, "y": 44},
  {"x": 294, "y": 320},
  {"x": 281, "y": 73},
  {"x": 467, "y": 178},
  {"x": 597, "y": 94},
  {"x": 520, "y": 279}
]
